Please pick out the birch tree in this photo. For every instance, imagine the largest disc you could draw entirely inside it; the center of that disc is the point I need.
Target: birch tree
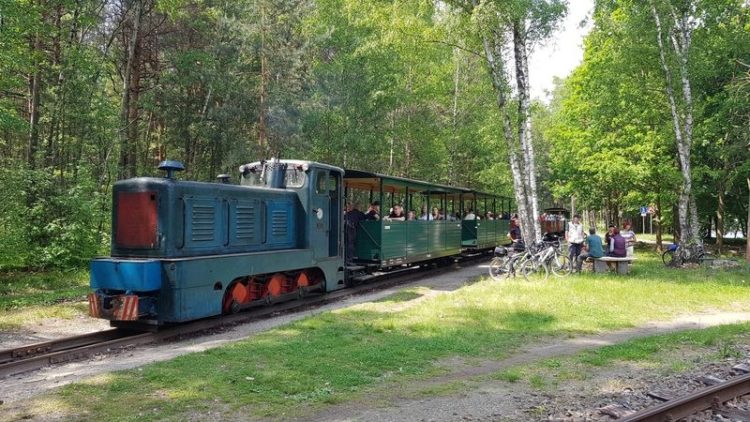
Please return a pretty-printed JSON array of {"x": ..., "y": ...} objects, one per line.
[
  {"x": 678, "y": 30},
  {"x": 519, "y": 24}
]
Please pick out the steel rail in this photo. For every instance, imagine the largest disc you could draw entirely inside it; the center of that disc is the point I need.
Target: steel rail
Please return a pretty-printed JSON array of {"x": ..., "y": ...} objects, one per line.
[
  {"x": 65, "y": 350},
  {"x": 707, "y": 398},
  {"x": 51, "y": 346}
]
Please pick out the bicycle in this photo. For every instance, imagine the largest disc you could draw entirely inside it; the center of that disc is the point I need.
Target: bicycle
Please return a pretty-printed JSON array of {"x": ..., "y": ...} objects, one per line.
[
  {"x": 670, "y": 257},
  {"x": 537, "y": 264},
  {"x": 504, "y": 264},
  {"x": 559, "y": 263}
]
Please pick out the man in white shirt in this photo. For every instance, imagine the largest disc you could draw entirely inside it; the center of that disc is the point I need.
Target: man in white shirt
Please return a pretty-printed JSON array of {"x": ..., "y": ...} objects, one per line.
[
  {"x": 470, "y": 215},
  {"x": 575, "y": 237}
]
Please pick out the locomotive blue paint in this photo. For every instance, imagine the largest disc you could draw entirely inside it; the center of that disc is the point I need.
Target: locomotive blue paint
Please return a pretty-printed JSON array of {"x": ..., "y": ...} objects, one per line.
[
  {"x": 137, "y": 275},
  {"x": 208, "y": 234}
]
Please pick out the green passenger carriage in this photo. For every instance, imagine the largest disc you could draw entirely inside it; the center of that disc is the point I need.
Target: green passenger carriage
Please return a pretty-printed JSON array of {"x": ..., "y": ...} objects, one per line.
[
  {"x": 387, "y": 243},
  {"x": 485, "y": 233}
]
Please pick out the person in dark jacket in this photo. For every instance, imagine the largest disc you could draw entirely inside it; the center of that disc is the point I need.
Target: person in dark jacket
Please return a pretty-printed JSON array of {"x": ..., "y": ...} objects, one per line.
[
  {"x": 373, "y": 213},
  {"x": 352, "y": 218}
]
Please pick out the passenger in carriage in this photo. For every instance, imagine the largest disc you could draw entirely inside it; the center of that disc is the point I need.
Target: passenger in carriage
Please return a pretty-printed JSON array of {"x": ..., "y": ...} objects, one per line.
[
  {"x": 411, "y": 215},
  {"x": 436, "y": 215},
  {"x": 470, "y": 214},
  {"x": 373, "y": 213},
  {"x": 490, "y": 215},
  {"x": 397, "y": 214},
  {"x": 425, "y": 215}
]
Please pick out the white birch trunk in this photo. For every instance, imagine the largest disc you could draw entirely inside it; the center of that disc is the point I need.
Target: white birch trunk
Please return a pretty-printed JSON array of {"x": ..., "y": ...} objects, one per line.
[
  {"x": 524, "y": 121},
  {"x": 683, "y": 126},
  {"x": 493, "y": 54}
]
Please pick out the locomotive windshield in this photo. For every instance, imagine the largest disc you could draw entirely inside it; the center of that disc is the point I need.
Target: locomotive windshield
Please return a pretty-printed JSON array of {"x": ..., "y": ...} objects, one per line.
[{"x": 260, "y": 176}]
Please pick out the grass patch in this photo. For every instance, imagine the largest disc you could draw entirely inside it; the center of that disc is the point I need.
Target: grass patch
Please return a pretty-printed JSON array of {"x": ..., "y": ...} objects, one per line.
[
  {"x": 668, "y": 354},
  {"x": 350, "y": 353},
  {"x": 16, "y": 319},
  {"x": 22, "y": 290}
]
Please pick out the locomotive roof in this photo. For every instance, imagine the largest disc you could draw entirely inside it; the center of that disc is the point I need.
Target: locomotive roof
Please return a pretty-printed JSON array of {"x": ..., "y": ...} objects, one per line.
[{"x": 301, "y": 162}]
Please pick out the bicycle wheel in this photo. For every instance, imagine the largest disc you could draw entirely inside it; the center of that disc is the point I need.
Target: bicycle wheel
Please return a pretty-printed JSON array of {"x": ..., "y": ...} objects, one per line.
[
  {"x": 560, "y": 265},
  {"x": 667, "y": 257},
  {"x": 533, "y": 270},
  {"x": 499, "y": 268}
]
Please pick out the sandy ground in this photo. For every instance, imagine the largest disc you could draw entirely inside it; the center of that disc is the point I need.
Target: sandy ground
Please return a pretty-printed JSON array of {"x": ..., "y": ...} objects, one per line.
[{"x": 50, "y": 329}]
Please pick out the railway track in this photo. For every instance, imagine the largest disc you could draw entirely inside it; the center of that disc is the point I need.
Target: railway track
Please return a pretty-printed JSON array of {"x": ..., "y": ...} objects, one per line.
[
  {"x": 710, "y": 398},
  {"x": 36, "y": 356}
]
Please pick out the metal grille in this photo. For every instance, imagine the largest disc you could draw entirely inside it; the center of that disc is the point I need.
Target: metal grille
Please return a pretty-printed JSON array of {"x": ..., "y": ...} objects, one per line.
[
  {"x": 279, "y": 223},
  {"x": 203, "y": 223},
  {"x": 245, "y": 222}
]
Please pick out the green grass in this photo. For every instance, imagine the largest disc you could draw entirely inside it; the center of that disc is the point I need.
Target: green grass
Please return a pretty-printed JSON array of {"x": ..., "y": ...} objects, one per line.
[
  {"x": 355, "y": 352},
  {"x": 667, "y": 354},
  {"x": 20, "y": 290},
  {"x": 26, "y": 298}
]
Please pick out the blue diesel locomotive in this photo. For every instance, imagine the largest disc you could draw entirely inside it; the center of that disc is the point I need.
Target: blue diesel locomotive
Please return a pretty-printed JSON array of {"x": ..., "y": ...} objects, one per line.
[{"x": 185, "y": 250}]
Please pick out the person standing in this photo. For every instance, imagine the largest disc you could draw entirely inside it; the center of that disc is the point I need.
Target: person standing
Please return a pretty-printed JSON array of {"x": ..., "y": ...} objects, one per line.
[
  {"x": 629, "y": 235},
  {"x": 575, "y": 237},
  {"x": 593, "y": 248},
  {"x": 516, "y": 241},
  {"x": 352, "y": 218}
]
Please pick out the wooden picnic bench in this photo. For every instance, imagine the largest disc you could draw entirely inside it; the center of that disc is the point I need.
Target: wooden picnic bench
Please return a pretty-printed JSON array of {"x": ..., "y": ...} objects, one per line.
[{"x": 622, "y": 264}]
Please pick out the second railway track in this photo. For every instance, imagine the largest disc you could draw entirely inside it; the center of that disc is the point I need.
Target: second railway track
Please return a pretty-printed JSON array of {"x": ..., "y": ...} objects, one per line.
[{"x": 31, "y": 357}]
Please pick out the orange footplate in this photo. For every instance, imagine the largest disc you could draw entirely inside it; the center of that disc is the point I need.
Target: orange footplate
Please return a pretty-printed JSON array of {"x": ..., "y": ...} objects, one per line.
[
  {"x": 125, "y": 308},
  {"x": 94, "y": 305}
]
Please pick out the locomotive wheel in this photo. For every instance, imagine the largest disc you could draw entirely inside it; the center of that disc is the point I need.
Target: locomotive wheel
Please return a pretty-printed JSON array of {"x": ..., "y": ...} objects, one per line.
[
  {"x": 234, "y": 296},
  {"x": 275, "y": 286}
]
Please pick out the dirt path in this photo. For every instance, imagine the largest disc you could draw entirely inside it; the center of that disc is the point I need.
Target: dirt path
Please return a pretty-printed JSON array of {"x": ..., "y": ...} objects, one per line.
[{"x": 495, "y": 400}]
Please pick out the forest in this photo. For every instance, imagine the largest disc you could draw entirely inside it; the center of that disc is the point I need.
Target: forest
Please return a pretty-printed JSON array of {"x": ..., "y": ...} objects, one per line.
[{"x": 94, "y": 91}]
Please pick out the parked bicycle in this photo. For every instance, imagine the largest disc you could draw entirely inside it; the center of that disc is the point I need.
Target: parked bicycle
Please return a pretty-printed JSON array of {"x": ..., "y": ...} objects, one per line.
[
  {"x": 506, "y": 262},
  {"x": 535, "y": 262},
  {"x": 671, "y": 256}
]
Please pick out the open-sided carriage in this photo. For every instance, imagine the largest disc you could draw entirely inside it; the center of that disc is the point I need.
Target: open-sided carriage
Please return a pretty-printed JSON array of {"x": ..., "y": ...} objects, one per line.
[{"x": 387, "y": 243}]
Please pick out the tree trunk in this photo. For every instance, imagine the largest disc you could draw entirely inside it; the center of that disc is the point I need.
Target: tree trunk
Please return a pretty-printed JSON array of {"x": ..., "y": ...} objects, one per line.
[
  {"x": 524, "y": 122},
  {"x": 263, "y": 86},
  {"x": 453, "y": 147},
  {"x": 747, "y": 230},
  {"x": 34, "y": 98},
  {"x": 657, "y": 214},
  {"x": 493, "y": 53},
  {"x": 720, "y": 219},
  {"x": 682, "y": 121},
  {"x": 126, "y": 150}
]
